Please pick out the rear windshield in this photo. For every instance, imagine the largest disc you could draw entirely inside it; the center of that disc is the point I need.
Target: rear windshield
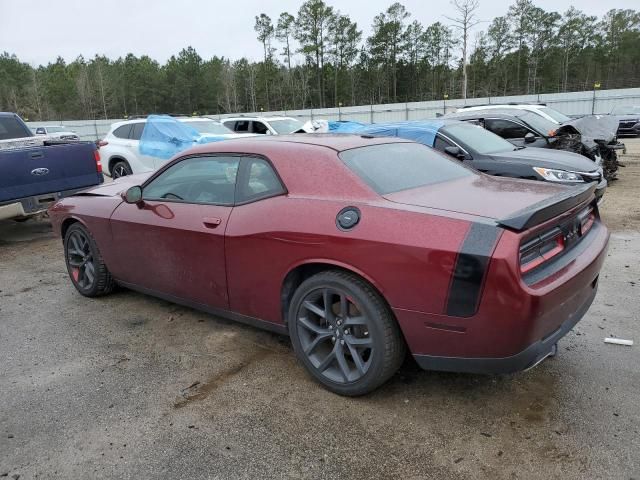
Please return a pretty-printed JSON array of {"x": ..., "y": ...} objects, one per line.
[
  {"x": 10, "y": 127},
  {"x": 476, "y": 138},
  {"x": 393, "y": 167}
]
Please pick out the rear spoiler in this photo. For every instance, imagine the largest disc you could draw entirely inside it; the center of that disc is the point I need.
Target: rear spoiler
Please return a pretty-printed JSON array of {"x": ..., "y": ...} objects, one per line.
[{"x": 547, "y": 209}]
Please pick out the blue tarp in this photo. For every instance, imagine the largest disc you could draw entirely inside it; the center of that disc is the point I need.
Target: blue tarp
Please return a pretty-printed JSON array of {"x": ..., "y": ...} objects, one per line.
[
  {"x": 422, "y": 131},
  {"x": 164, "y": 136},
  {"x": 345, "y": 126}
]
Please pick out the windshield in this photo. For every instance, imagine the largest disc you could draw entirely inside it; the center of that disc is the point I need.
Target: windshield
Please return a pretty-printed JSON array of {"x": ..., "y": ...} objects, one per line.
[
  {"x": 473, "y": 137},
  {"x": 539, "y": 123},
  {"x": 626, "y": 111},
  {"x": 556, "y": 115},
  {"x": 393, "y": 167},
  {"x": 285, "y": 126},
  {"x": 208, "y": 126}
]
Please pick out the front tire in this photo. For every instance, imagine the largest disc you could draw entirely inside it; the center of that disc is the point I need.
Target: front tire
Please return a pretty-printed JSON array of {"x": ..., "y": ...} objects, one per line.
[
  {"x": 120, "y": 169},
  {"x": 344, "y": 333},
  {"x": 86, "y": 268}
]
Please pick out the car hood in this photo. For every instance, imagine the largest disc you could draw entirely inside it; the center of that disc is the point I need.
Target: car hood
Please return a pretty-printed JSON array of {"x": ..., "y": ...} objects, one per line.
[
  {"x": 118, "y": 186},
  {"x": 593, "y": 128},
  {"x": 548, "y": 158},
  {"x": 480, "y": 195}
]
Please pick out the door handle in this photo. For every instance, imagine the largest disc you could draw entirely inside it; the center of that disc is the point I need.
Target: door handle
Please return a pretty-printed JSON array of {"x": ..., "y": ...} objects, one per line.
[{"x": 211, "y": 222}]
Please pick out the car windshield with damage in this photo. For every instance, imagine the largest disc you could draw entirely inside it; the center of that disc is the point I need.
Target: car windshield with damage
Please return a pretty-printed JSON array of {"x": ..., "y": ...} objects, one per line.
[
  {"x": 208, "y": 127},
  {"x": 285, "y": 126},
  {"x": 394, "y": 167},
  {"x": 473, "y": 137}
]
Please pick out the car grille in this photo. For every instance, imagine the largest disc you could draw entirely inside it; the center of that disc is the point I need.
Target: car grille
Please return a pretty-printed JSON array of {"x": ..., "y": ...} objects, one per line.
[{"x": 628, "y": 124}]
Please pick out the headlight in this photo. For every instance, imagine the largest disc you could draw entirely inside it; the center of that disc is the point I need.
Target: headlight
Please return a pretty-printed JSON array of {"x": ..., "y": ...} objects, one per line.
[{"x": 558, "y": 175}]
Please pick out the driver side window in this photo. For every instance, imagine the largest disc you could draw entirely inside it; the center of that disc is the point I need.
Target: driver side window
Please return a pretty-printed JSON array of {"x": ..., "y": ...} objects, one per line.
[{"x": 208, "y": 180}]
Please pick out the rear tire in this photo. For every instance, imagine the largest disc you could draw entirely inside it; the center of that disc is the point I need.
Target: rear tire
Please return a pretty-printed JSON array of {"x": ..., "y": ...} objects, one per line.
[
  {"x": 344, "y": 333},
  {"x": 87, "y": 270},
  {"x": 120, "y": 169}
]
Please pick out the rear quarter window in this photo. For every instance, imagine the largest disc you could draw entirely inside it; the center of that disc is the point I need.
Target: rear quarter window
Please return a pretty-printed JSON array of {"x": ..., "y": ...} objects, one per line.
[
  {"x": 394, "y": 167},
  {"x": 10, "y": 128}
]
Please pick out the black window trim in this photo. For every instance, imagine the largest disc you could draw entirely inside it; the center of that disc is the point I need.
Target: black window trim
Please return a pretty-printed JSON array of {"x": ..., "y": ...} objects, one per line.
[{"x": 235, "y": 203}]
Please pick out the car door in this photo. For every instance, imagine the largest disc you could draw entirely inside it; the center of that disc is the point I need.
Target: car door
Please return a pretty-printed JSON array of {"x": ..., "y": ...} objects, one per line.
[
  {"x": 514, "y": 132},
  {"x": 173, "y": 242}
]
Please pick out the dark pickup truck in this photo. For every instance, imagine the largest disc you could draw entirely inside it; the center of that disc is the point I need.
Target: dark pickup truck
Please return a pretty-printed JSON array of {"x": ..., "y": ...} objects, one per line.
[{"x": 36, "y": 171}]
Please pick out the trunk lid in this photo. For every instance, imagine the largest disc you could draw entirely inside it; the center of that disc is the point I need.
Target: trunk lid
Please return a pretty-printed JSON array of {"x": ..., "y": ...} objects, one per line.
[{"x": 513, "y": 203}]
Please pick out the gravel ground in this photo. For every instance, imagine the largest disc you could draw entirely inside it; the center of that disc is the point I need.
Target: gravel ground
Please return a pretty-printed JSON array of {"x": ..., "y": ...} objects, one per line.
[{"x": 133, "y": 387}]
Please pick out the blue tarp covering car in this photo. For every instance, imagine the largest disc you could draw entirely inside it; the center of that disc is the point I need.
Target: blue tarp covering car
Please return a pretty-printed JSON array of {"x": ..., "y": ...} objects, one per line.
[
  {"x": 423, "y": 131},
  {"x": 164, "y": 136}
]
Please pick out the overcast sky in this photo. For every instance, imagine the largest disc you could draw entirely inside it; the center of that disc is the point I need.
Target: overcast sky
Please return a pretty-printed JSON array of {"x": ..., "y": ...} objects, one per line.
[{"x": 40, "y": 30}]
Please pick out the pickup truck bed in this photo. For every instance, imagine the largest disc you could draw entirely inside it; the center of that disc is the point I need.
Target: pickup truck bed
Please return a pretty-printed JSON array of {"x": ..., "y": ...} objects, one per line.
[{"x": 34, "y": 173}]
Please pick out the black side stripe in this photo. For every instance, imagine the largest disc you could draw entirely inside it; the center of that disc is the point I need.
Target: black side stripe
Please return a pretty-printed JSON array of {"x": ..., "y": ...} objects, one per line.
[{"x": 471, "y": 269}]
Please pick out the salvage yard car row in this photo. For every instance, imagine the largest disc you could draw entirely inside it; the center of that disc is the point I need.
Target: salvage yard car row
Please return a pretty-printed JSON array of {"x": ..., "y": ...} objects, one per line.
[{"x": 360, "y": 244}]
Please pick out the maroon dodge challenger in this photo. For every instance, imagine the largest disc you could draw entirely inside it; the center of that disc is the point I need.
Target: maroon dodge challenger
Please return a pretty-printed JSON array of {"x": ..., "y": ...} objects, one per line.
[{"x": 356, "y": 247}]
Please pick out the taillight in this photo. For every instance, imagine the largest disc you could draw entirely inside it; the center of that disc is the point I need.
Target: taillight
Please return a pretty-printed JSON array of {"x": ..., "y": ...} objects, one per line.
[
  {"x": 96, "y": 155},
  {"x": 540, "y": 249},
  {"x": 587, "y": 219},
  {"x": 102, "y": 143}
]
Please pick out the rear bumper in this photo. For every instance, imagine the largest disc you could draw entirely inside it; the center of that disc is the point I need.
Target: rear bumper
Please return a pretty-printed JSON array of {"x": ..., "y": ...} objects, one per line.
[
  {"x": 34, "y": 205},
  {"x": 527, "y": 358}
]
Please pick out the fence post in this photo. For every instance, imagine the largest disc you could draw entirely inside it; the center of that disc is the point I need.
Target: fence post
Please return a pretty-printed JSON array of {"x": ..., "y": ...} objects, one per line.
[
  {"x": 371, "y": 114},
  {"x": 593, "y": 101},
  {"x": 406, "y": 110},
  {"x": 95, "y": 127},
  {"x": 311, "y": 113}
]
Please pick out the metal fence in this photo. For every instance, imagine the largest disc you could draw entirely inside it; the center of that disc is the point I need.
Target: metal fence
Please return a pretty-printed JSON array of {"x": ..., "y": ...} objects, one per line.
[{"x": 571, "y": 103}]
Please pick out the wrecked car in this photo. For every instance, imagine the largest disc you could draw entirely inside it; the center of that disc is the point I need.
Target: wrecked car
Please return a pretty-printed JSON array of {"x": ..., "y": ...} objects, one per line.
[{"x": 593, "y": 136}]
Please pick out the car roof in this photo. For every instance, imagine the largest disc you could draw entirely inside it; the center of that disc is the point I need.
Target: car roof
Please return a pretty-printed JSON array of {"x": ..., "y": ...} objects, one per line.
[
  {"x": 258, "y": 118},
  {"x": 476, "y": 113},
  {"x": 334, "y": 141},
  {"x": 115, "y": 125}
]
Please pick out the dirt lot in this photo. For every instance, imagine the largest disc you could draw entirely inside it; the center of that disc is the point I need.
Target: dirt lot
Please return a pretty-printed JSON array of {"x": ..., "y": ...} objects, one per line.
[{"x": 133, "y": 387}]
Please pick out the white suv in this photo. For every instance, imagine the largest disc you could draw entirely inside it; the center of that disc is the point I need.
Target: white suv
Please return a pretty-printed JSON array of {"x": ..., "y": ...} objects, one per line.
[
  {"x": 120, "y": 150},
  {"x": 538, "y": 108},
  {"x": 263, "y": 125}
]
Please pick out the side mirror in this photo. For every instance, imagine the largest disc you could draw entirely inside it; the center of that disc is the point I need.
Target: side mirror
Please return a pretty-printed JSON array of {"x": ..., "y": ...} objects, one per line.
[
  {"x": 455, "y": 152},
  {"x": 529, "y": 138},
  {"x": 133, "y": 195}
]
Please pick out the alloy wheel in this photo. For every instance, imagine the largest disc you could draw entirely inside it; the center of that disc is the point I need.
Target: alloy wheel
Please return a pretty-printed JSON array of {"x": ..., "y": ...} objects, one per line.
[
  {"x": 335, "y": 335},
  {"x": 80, "y": 260},
  {"x": 119, "y": 171}
]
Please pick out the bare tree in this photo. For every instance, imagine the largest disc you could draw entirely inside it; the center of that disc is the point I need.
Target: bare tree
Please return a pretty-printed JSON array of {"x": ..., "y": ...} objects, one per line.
[{"x": 465, "y": 21}]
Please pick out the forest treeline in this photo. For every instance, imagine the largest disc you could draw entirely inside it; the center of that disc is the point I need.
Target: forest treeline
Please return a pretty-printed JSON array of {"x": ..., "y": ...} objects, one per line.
[{"x": 318, "y": 57}]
